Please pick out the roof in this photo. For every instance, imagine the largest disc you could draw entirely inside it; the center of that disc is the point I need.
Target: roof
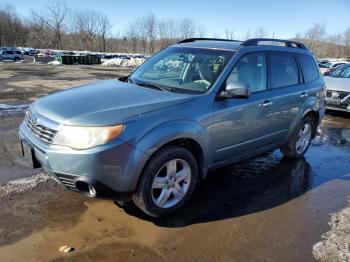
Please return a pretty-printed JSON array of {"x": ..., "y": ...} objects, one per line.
[
  {"x": 235, "y": 44},
  {"x": 214, "y": 44}
]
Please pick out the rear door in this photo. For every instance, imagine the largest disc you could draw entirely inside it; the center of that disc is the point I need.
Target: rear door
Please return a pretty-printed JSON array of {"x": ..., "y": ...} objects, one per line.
[
  {"x": 311, "y": 75},
  {"x": 286, "y": 91}
]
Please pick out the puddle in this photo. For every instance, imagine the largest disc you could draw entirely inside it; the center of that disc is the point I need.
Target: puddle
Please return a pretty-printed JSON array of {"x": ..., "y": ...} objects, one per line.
[{"x": 102, "y": 222}]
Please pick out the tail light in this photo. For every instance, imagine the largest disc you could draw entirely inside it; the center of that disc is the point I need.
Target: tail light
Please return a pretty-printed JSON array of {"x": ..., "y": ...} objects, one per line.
[{"x": 324, "y": 89}]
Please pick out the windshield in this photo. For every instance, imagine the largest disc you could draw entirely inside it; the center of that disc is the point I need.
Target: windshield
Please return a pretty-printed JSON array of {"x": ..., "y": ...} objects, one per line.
[
  {"x": 181, "y": 69},
  {"x": 342, "y": 71}
]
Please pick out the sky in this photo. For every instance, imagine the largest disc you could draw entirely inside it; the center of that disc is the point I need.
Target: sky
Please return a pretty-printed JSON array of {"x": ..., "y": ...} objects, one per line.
[{"x": 281, "y": 18}]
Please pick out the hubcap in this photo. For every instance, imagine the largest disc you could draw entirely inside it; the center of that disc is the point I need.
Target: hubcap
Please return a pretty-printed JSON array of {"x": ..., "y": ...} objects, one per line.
[
  {"x": 303, "y": 138},
  {"x": 171, "y": 183}
]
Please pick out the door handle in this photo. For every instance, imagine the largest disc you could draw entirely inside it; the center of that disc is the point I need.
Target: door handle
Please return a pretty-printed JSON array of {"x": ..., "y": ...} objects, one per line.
[
  {"x": 265, "y": 104},
  {"x": 303, "y": 94}
]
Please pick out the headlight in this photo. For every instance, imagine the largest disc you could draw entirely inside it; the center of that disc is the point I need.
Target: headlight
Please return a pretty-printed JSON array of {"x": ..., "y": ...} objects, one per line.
[{"x": 79, "y": 137}]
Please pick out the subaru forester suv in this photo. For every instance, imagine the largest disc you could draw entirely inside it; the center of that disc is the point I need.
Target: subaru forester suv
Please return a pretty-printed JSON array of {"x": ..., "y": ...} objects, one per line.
[{"x": 195, "y": 106}]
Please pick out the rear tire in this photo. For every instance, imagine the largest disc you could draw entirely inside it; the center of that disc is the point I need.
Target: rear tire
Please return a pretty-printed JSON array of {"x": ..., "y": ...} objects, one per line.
[
  {"x": 301, "y": 139},
  {"x": 167, "y": 182},
  {"x": 16, "y": 59}
]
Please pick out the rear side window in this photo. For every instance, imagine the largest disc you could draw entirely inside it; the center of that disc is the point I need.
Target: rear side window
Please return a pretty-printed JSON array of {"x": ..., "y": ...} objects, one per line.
[
  {"x": 18, "y": 52},
  {"x": 9, "y": 52},
  {"x": 251, "y": 70},
  {"x": 284, "y": 70},
  {"x": 308, "y": 67}
]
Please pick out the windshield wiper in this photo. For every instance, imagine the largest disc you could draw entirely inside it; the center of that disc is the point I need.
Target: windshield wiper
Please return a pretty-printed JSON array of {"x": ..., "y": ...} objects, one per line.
[{"x": 154, "y": 86}]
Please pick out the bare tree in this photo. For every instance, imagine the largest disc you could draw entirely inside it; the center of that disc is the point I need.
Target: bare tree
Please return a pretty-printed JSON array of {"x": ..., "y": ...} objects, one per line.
[
  {"x": 230, "y": 33},
  {"x": 104, "y": 26},
  {"x": 261, "y": 32},
  {"x": 88, "y": 27},
  {"x": 167, "y": 32},
  {"x": 133, "y": 37},
  {"x": 54, "y": 16},
  {"x": 12, "y": 30},
  {"x": 347, "y": 36},
  {"x": 149, "y": 23},
  {"x": 188, "y": 28},
  {"x": 315, "y": 34},
  {"x": 55, "y": 26},
  {"x": 246, "y": 35}
]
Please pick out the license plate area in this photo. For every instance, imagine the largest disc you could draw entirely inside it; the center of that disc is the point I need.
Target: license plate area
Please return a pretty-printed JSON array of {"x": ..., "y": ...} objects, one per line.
[{"x": 29, "y": 154}]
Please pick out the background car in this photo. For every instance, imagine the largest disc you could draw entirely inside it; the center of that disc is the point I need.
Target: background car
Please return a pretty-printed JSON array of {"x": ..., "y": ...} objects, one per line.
[
  {"x": 333, "y": 66},
  {"x": 338, "y": 86},
  {"x": 14, "y": 55}
]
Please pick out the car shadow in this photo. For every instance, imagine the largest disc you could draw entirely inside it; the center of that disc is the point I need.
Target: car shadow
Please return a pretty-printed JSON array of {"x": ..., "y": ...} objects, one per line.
[{"x": 244, "y": 188}]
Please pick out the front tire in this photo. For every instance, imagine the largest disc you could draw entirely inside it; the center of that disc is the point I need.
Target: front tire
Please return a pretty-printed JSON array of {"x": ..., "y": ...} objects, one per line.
[
  {"x": 301, "y": 139},
  {"x": 167, "y": 182}
]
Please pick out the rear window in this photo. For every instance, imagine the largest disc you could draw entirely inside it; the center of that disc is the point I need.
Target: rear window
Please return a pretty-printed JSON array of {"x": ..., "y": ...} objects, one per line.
[
  {"x": 284, "y": 71},
  {"x": 308, "y": 67},
  {"x": 9, "y": 52}
]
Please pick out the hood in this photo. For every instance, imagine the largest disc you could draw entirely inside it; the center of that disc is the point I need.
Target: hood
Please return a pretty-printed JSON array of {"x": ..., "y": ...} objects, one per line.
[
  {"x": 337, "y": 83},
  {"x": 104, "y": 103}
]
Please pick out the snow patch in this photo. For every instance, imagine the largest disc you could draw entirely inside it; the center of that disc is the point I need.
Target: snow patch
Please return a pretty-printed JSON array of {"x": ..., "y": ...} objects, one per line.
[
  {"x": 54, "y": 63},
  {"x": 335, "y": 245},
  {"x": 123, "y": 62},
  {"x": 12, "y": 109},
  {"x": 22, "y": 184}
]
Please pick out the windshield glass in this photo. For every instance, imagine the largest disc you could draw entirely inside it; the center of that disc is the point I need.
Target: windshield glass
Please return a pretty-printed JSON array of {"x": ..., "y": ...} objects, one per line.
[
  {"x": 342, "y": 71},
  {"x": 180, "y": 69}
]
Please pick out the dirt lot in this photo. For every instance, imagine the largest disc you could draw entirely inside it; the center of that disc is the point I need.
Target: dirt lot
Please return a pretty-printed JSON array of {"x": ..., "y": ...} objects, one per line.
[{"x": 263, "y": 209}]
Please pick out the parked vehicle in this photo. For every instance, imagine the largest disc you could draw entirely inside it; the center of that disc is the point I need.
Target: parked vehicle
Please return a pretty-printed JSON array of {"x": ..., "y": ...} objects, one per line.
[
  {"x": 338, "y": 94},
  {"x": 332, "y": 67},
  {"x": 13, "y": 55},
  {"x": 323, "y": 68},
  {"x": 29, "y": 52},
  {"x": 195, "y": 106},
  {"x": 322, "y": 62}
]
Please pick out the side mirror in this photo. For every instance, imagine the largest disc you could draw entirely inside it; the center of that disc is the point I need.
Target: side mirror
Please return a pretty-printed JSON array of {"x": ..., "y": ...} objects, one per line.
[{"x": 236, "y": 89}]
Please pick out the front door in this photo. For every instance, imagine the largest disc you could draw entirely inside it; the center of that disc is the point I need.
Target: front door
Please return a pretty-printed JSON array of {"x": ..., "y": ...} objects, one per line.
[{"x": 242, "y": 125}]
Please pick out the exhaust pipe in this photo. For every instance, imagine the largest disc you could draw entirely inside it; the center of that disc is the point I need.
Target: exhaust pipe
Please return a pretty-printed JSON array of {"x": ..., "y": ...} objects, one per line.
[
  {"x": 86, "y": 189},
  {"x": 92, "y": 191}
]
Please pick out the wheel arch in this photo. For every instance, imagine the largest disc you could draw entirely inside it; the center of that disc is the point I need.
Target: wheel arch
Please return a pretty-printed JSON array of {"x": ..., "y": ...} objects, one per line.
[{"x": 188, "y": 134}]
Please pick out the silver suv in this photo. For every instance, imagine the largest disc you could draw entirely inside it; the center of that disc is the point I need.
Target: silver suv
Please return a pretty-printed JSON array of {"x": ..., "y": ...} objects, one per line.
[
  {"x": 193, "y": 107},
  {"x": 13, "y": 55}
]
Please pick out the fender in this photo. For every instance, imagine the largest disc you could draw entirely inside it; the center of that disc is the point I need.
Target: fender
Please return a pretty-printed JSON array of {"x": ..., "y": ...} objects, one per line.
[
  {"x": 166, "y": 132},
  {"x": 310, "y": 105}
]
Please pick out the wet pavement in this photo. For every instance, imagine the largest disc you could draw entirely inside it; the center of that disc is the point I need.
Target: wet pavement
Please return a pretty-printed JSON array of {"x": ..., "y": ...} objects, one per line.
[{"x": 263, "y": 209}]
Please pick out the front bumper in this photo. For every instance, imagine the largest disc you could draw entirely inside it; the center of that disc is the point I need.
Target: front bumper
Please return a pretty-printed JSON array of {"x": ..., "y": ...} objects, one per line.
[
  {"x": 341, "y": 108},
  {"x": 338, "y": 104},
  {"x": 111, "y": 168}
]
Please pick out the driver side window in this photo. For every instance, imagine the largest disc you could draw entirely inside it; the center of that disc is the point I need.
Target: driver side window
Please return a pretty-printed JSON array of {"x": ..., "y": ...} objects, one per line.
[{"x": 251, "y": 71}]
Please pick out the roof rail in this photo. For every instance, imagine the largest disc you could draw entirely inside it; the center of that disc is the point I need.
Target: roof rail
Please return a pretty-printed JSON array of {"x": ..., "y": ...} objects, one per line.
[
  {"x": 189, "y": 40},
  {"x": 288, "y": 43}
]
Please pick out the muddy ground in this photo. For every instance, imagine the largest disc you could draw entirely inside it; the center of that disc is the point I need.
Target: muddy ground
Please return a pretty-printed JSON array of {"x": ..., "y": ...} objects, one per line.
[{"x": 263, "y": 209}]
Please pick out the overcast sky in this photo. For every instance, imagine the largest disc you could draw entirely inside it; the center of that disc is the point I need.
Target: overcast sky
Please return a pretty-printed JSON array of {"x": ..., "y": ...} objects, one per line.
[{"x": 283, "y": 18}]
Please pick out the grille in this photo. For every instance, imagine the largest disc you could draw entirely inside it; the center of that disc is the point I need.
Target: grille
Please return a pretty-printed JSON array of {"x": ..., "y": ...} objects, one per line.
[
  {"x": 39, "y": 130},
  {"x": 67, "y": 180},
  {"x": 341, "y": 96}
]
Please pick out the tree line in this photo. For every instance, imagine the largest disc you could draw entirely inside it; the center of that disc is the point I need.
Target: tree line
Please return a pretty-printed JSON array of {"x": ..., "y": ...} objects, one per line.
[{"x": 57, "y": 26}]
